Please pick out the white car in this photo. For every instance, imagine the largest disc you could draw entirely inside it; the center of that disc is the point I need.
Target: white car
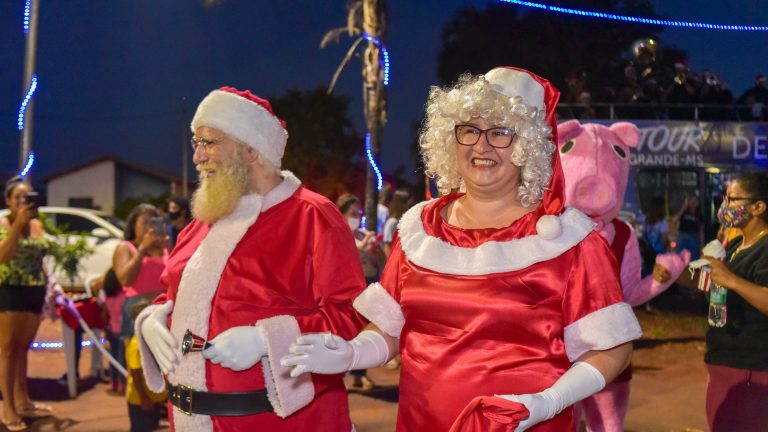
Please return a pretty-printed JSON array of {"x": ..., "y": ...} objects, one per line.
[{"x": 105, "y": 232}]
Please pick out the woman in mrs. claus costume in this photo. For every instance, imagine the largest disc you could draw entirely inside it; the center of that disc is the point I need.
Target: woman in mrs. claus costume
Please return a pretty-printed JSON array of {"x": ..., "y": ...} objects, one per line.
[{"x": 496, "y": 291}]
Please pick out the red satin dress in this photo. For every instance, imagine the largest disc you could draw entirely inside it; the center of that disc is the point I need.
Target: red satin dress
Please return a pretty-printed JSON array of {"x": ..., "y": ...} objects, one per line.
[{"x": 502, "y": 333}]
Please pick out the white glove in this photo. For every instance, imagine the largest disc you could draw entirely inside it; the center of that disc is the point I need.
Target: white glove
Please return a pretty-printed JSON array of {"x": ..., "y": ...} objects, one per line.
[
  {"x": 238, "y": 348},
  {"x": 578, "y": 382},
  {"x": 159, "y": 339},
  {"x": 326, "y": 353}
]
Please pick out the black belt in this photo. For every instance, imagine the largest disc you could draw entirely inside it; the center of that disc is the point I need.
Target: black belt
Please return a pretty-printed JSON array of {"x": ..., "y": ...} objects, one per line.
[{"x": 191, "y": 402}]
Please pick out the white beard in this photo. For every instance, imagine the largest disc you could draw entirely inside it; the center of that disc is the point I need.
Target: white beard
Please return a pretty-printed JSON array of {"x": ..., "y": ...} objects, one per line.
[{"x": 217, "y": 197}]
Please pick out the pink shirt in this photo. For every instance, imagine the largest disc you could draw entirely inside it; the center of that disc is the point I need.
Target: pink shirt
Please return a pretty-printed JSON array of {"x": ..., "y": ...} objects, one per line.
[
  {"x": 114, "y": 307},
  {"x": 148, "y": 280}
]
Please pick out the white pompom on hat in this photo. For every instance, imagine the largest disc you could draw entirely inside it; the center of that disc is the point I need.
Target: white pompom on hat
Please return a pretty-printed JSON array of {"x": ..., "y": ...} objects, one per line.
[{"x": 245, "y": 117}]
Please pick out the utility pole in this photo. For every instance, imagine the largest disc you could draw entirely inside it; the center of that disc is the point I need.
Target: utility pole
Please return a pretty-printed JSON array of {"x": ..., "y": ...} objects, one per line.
[{"x": 30, "y": 55}]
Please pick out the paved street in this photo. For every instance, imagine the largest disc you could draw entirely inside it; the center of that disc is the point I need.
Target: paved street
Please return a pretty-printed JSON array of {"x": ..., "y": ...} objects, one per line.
[{"x": 666, "y": 396}]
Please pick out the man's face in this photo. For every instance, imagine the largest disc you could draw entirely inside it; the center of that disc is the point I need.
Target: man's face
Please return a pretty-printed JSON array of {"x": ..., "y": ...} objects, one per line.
[
  {"x": 224, "y": 175},
  {"x": 213, "y": 148}
]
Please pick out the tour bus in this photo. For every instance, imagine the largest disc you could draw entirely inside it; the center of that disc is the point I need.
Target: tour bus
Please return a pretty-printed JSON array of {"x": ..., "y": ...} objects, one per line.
[{"x": 675, "y": 159}]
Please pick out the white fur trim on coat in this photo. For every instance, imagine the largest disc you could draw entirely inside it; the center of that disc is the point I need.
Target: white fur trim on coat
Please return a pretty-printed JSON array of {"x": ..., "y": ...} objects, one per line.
[
  {"x": 200, "y": 280},
  {"x": 380, "y": 308},
  {"x": 244, "y": 120},
  {"x": 282, "y": 192},
  {"x": 153, "y": 376},
  {"x": 287, "y": 395},
  {"x": 490, "y": 257},
  {"x": 192, "y": 310},
  {"x": 601, "y": 330}
]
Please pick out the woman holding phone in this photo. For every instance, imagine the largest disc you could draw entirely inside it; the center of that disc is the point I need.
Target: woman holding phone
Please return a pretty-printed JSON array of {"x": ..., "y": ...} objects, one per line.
[
  {"x": 22, "y": 294},
  {"x": 140, "y": 260}
]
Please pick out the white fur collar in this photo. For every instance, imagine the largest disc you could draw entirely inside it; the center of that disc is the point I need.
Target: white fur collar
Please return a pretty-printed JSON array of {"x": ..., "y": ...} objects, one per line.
[
  {"x": 282, "y": 192},
  {"x": 490, "y": 257}
]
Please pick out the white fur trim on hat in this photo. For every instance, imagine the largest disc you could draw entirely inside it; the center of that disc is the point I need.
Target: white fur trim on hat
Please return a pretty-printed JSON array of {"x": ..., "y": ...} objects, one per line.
[
  {"x": 601, "y": 330},
  {"x": 380, "y": 308},
  {"x": 286, "y": 394},
  {"x": 490, "y": 257},
  {"x": 513, "y": 82},
  {"x": 244, "y": 120}
]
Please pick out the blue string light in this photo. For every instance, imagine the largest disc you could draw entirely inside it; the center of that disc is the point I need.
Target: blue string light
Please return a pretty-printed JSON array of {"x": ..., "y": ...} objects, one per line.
[
  {"x": 384, "y": 55},
  {"x": 59, "y": 345},
  {"x": 27, "y": 6},
  {"x": 25, "y": 102},
  {"x": 28, "y": 166},
  {"x": 660, "y": 22},
  {"x": 380, "y": 181}
]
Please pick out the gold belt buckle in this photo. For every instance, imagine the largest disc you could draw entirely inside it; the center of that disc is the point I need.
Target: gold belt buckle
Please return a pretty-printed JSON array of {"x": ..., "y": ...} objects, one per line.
[{"x": 181, "y": 398}]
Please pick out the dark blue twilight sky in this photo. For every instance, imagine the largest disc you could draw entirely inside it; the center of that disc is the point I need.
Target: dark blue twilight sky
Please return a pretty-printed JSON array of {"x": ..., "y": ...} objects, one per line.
[{"x": 123, "y": 77}]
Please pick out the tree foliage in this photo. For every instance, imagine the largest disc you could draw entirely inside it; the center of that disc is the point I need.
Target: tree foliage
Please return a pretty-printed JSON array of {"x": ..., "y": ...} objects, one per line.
[
  {"x": 553, "y": 45},
  {"x": 323, "y": 149}
]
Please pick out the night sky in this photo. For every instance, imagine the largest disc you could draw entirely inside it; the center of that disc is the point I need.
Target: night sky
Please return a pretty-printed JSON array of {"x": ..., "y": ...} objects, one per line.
[{"x": 123, "y": 77}]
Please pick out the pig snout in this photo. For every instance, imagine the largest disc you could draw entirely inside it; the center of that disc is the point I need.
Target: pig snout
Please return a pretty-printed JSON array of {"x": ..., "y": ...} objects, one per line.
[{"x": 594, "y": 196}]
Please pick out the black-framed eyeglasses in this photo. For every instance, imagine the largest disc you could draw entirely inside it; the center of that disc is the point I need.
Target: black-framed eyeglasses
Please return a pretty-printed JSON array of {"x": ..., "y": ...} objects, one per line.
[
  {"x": 202, "y": 142},
  {"x": 729, "y": 199},
  {"x": 498, "y": 137}
]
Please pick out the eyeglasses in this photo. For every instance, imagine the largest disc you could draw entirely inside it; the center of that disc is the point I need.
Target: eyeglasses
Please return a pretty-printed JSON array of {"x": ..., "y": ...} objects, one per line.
[
  {"x": 202, "y": 142},
  {"x": 497, "y": 137},
  {"x": 729, "y": 199}
]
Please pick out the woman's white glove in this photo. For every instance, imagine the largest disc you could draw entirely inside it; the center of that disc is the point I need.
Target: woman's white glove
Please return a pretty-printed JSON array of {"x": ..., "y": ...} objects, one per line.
[
  {"x": 578, "y": 382},
  {"x": 326, "y": 353},
  {"x": 238, "y": 348},
  {"x": 162, "y": 344}
]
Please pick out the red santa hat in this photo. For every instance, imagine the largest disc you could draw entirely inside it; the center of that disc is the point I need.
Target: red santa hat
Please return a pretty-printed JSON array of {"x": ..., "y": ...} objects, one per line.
[
  {"x": 245, "y": 117},
  {"x": 537, "y": 92}
]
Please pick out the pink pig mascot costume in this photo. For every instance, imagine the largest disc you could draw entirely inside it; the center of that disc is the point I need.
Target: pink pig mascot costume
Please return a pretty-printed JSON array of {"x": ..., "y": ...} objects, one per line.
[{"x": 595, "y": 161}]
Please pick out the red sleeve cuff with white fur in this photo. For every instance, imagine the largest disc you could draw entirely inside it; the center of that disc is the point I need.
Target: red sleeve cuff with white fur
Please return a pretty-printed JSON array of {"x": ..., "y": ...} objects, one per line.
[
  {"x": 376, "y": 304},
  {"x": 601, "y": 330},
  {"x": 287, "y": 395}
]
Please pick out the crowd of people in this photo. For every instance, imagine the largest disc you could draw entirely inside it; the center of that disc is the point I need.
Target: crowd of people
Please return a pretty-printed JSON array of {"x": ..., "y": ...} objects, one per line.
[
  {"x": 644, "y": 93},
  {"x": 245, "y": 308}
]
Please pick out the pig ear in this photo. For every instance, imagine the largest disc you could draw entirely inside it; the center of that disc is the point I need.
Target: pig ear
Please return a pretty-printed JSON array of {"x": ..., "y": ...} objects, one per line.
[
  {"x": 568, "y": 130},
  {"x": 627, "y": 132}
]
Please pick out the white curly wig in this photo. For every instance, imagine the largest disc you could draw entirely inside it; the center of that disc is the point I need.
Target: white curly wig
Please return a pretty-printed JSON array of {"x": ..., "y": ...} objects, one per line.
[{"x": 474, "y": 96}]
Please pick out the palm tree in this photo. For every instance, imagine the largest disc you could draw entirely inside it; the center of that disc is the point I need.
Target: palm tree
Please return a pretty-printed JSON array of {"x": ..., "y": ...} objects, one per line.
[{"x": 366, "y": 21}]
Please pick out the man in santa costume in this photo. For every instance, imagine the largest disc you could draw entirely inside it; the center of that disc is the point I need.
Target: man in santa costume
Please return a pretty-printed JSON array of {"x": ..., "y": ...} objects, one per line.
[
  {"x": 263, "y": 261},
  {"x": 505, "y": 306}
]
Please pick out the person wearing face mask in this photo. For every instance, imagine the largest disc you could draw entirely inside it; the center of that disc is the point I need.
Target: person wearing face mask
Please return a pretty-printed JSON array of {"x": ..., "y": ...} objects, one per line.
[
  {"x": 179, "y": 215},
  {"x": 737, "y": 354},
  {"x": 350, "y": 207}
]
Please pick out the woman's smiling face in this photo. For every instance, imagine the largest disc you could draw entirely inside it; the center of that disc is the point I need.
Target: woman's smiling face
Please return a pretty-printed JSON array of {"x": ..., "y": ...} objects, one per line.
[{"x": 484, "y": 167}]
